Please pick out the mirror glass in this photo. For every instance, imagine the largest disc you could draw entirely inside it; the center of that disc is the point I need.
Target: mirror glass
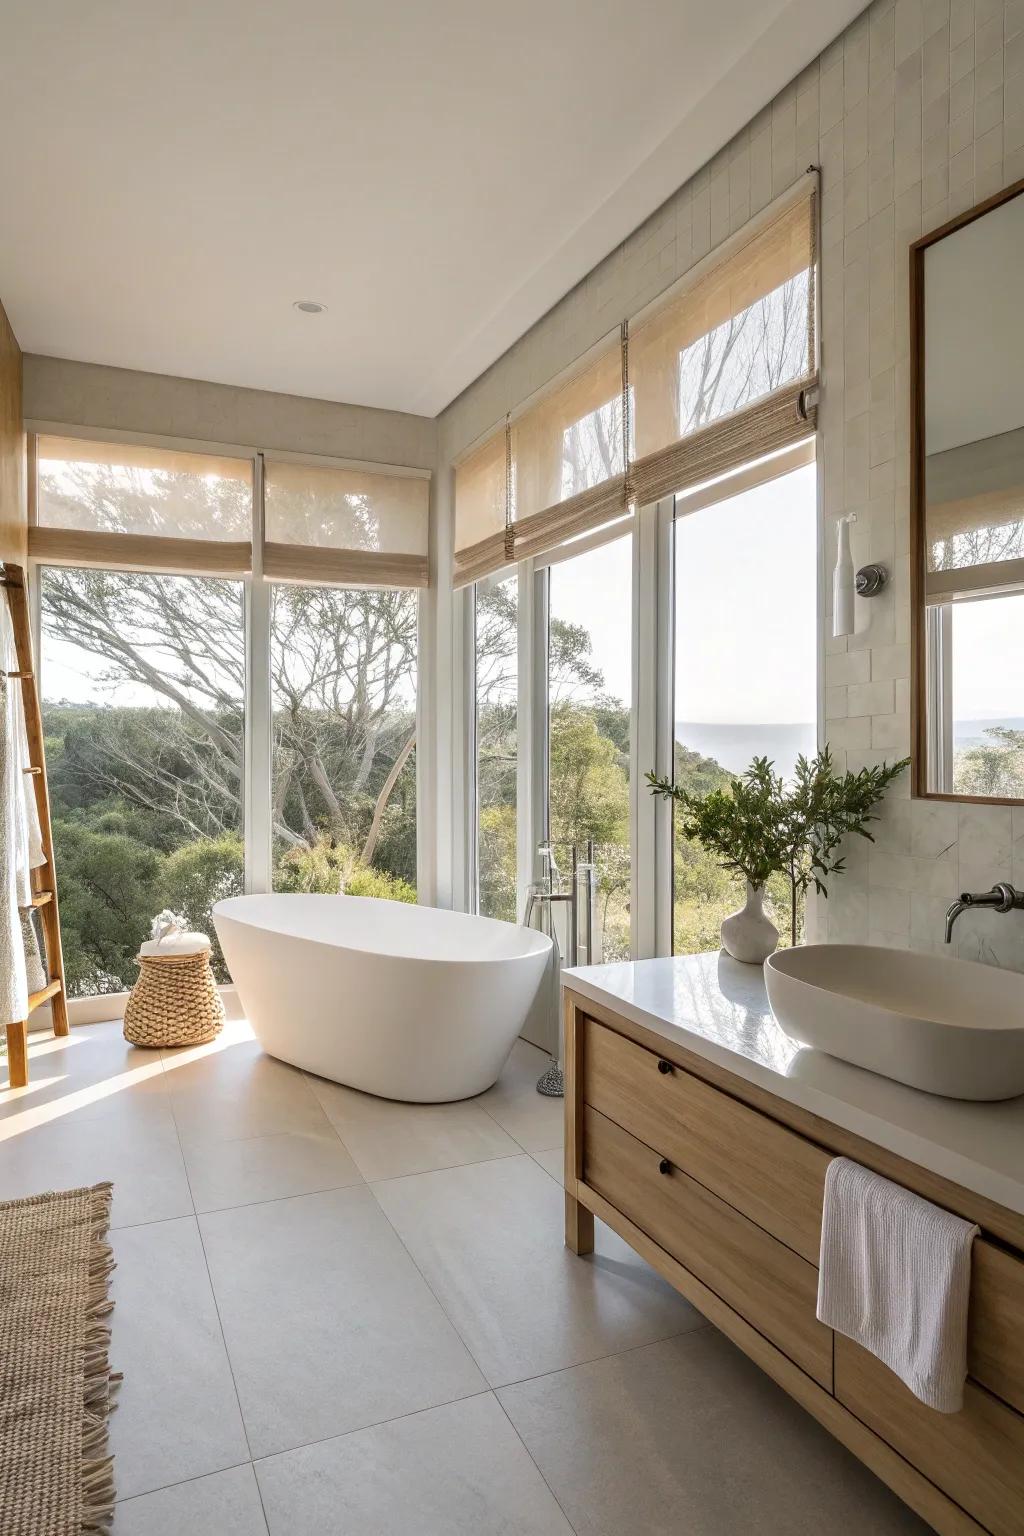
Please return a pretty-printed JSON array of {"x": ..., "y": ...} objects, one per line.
[{"x": 970, "y": 511}]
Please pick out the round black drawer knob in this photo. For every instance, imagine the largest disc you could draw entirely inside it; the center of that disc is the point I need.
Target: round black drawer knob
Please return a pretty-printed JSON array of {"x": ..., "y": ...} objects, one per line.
[
  {"x": 664, "y": 1166},
  {"x": 665, "y": 1067}
]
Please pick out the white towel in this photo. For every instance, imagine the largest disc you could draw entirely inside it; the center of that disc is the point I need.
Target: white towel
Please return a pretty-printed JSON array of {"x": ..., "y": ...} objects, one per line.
[
  {"x": 28, "y": 841},
  {"x": 13, "y": 979},
  {"x": 895, "y": 1276}
]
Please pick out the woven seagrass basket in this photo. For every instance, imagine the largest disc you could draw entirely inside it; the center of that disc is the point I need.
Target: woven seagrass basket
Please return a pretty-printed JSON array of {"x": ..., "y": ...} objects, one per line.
[{"x": 174, "y": 1002}]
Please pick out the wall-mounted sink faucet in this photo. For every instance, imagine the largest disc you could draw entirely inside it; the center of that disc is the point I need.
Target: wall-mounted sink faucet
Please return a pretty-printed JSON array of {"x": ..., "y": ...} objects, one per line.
[{"x": 1001, "y": 898}]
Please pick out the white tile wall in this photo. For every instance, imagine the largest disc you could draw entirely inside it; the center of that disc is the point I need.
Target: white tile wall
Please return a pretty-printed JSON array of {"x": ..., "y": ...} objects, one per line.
[{"x": 915, "y": 113}]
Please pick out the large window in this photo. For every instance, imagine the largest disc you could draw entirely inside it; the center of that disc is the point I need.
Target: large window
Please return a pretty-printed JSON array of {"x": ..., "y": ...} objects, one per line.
[
  {"x": 207, "y": 732},
  {"x": 745, "y": 666},
  {"x": 496, "y": 739},
  {"x": 143, "y": 706},
  {"x": 343, "y": 668},
  {"x": 589, "y": 694}
]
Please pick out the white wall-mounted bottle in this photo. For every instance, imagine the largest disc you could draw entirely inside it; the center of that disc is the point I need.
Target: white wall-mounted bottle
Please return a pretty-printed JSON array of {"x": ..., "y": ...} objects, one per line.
[{"x": 843, "y": 589}]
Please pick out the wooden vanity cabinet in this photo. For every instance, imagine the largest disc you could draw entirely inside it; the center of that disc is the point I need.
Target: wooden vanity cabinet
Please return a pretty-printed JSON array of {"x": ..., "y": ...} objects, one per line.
[{"x": 719, "y": 1185}]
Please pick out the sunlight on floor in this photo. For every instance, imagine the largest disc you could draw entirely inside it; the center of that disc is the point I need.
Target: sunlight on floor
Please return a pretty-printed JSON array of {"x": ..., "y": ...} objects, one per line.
[
  {"x": 152, "y": 1064},
  {"x": 79, "y": 1098}
]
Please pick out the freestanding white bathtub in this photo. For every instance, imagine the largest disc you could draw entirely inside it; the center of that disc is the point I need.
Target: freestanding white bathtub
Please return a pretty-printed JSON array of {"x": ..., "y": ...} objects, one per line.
[{"x": 406, "y": 1002}]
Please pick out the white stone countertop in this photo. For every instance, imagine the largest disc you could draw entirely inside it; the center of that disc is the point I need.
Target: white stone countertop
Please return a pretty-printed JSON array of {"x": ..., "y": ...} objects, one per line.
[{"x": 718, "y": 1008}]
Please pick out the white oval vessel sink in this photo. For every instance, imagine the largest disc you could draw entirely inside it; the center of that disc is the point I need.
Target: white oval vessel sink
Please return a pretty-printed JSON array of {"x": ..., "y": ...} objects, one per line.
[{"x": 951, "y": 1027}]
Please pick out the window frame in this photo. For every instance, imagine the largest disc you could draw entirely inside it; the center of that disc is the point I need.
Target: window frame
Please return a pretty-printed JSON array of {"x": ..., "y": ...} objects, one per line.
[
  {"x": 257, "y": 600},
  {"x": 652, "y": 726}
]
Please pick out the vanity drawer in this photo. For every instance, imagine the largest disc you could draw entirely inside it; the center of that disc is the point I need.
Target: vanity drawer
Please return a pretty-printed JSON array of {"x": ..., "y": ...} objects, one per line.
[
  {"x": 995, "y": 1340},
  {"x": 975, "y": 1456},
  {"x": 769, "y": 1173},
  {"x": 761, "y": 1279}
]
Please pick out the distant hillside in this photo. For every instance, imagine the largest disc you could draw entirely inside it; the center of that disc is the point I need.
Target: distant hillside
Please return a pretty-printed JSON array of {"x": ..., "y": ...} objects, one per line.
[
  {"x": 733, "y": 746},
  {"x": 971, "y": 733}
]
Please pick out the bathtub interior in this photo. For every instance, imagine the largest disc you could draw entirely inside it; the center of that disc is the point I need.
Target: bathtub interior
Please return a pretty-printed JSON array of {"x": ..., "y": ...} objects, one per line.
[{"x": 373, "y": 926}]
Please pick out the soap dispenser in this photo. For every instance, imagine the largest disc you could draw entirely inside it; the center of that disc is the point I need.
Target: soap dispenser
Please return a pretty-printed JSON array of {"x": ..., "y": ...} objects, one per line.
[{"x": 843, "y": 588}]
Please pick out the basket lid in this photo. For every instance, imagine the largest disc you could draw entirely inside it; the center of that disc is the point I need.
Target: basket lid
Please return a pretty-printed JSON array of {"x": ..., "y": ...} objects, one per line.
[{"x": 175, "y": 944}]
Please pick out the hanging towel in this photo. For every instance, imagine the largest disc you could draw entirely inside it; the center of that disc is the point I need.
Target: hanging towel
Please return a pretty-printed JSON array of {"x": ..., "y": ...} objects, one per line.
[
  {"x": 35, "y": 970},
  {"x": 13, "y": 981},
  {"x": 28, "y": 845},
  {"x": 895, "y": 1276}
]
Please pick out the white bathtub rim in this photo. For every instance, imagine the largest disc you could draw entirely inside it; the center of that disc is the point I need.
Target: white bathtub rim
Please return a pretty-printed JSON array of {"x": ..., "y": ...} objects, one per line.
[{"x": 538, "y": 943}]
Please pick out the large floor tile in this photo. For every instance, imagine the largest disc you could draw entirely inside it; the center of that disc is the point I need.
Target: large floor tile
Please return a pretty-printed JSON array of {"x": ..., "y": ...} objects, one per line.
[
  {"x": 536, "y": 1122},
  {"x": 460, "y": 1470},
  {"x": 689, "y": 1436},
  {"x": 93, "y": 1073},
  {"x": 227, "y": 1173},
  {"x": 552, "y": 1162},
  {"x": 177, "y": 1413},
  {"x": 388, "y": 1139},
  {"x": 142, "y": 1157},
  {"x": 236, "y": 1092},
  {"x": 329, "y": 1325},
  {"x": 223, "y": 1504},
  {"x": 489, "y": 1239}
]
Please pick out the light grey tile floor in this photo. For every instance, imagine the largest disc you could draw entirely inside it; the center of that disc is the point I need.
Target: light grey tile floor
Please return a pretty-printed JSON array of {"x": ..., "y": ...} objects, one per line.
[{"x": 318, "y": 1293}]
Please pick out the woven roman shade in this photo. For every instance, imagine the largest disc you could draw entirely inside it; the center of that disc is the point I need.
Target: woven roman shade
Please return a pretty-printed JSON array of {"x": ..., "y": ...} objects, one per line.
[
  {"x": 556, "y": 470},
  {"x": 482, "y": 510},
  {"x": 719, "y": 366},
  {"x": 974, "y": 517},
  {"x": 569, "y": 455},
  {"x": 355, "y": 525},
  {"x": 132, "y": 506}
]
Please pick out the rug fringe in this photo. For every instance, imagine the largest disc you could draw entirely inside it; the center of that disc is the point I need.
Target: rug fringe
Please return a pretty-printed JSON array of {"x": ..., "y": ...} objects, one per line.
[
  {"x": 97, "y": 1495},
  {"x": 98, "y": 1490}
]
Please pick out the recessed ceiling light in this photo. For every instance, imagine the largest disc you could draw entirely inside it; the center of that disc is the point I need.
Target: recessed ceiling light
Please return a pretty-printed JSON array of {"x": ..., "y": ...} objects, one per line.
[{"x": 309, "y": 306}]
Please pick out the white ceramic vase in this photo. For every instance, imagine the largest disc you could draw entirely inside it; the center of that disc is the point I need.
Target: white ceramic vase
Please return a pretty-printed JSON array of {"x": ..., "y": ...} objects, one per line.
[{"x": 750, "y": 934}]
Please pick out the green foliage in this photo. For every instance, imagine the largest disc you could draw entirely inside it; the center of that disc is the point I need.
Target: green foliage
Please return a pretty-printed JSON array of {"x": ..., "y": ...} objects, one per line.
[
  {"x": 739, "y": 825},
  {"x": 364, "y": 880},
  {"x": 109, "y": 888},
  {"x": 589, "y": 788},
  {"x": 496, "y": 834},
  {"x": 198, "y": 874},
  {"x": 328, "y": 867},
  {"x": 761, "y": 827},
  {"x": 996, "y": 767}
]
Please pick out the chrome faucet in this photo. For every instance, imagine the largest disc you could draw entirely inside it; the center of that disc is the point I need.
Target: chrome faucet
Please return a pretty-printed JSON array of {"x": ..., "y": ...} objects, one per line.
[
  {"x": 1001, "y": 898},
  {"x": 544, "y": 891}
]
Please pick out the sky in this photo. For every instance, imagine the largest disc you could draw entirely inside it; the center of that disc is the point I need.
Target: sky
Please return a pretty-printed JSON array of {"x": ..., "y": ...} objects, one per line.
[
  {"x": 745, "y": 606},
  {"x": 988, "y": 659}
]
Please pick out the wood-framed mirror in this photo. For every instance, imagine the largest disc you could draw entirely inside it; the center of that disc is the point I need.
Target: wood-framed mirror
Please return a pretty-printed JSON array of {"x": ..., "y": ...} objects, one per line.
[{"x": 967, "y": 504}]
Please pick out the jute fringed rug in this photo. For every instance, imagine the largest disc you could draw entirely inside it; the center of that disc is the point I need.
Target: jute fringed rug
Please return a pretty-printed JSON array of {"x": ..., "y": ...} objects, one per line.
[{"x": 55, "y": 1476}]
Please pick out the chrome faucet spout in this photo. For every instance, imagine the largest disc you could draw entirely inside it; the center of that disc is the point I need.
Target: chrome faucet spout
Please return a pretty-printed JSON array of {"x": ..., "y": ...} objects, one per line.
[{"x": 1001, "y": 898}]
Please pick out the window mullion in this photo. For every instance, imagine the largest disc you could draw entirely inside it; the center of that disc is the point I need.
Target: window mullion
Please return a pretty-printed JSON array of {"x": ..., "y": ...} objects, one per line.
[
  {"x": 532, "y": 711},
  {"x": 665, "y": 725},
  {"x": 651, "y": 730},
  {"x": 258, "y": 708}
]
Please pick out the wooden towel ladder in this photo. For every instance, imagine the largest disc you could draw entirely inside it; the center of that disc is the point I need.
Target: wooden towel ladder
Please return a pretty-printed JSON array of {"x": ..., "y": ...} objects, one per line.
[{"x": 44, "y": 879}]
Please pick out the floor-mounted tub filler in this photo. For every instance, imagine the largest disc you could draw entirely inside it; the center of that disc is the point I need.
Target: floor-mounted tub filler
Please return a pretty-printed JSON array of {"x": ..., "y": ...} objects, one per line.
[{"x": 403, "y": 1001}]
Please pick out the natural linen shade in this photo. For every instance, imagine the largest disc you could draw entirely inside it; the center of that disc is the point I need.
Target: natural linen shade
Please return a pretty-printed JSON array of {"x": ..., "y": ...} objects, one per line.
[
  {"x": 715, "y": 373},
  {"x": 974, "y": 518},
  {"x": 365, "y": 525},
  {"x": 134, "y": 506},
  {"x": 555, "y": 471},
  {"x": 569, "y": 455},
  {"x": 718, "y": 365},
  {"x": 482, "y": 509}
]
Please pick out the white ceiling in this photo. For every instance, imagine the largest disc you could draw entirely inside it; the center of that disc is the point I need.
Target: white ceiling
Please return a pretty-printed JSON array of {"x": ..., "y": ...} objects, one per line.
[{"x": 438, "y": 172}]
